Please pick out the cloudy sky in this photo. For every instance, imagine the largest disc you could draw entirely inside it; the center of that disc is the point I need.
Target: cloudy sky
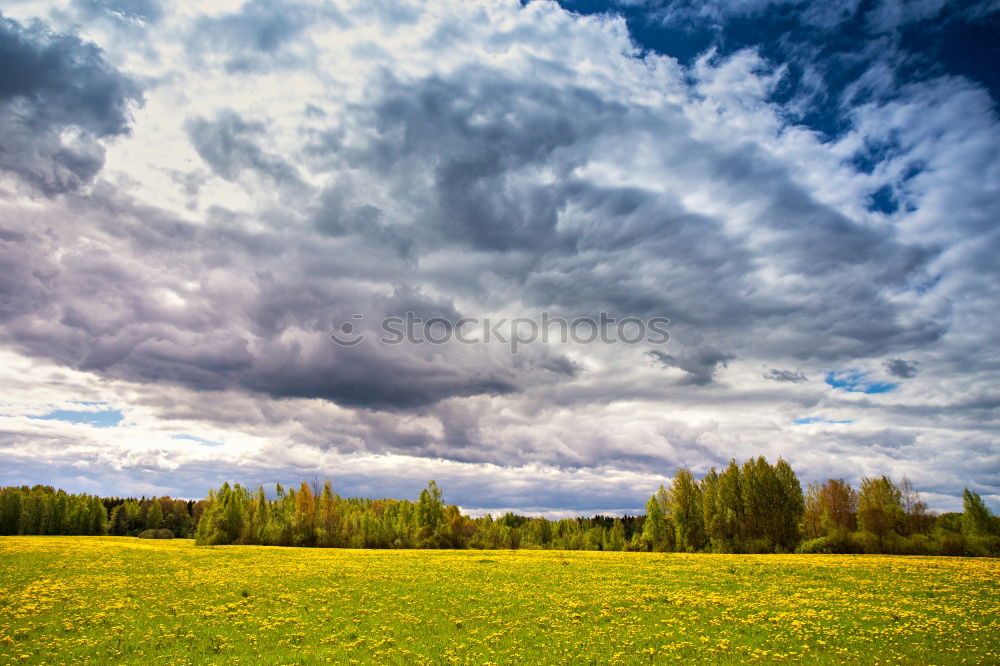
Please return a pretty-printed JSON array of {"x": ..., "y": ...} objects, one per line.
[{"x": 193, "y": 196}]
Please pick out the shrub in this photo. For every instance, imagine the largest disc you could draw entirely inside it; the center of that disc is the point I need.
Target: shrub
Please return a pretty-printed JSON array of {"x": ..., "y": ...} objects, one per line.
[
  {"x": 762, "y": 545},
  {"x": 811, "y": 546},
  {"x": 161, "y": 533},
  {"x": 983, "y": 546},
  {"x": 839, "y": 541},
  {"x": 916, "y": 544},
  {"x": 951, "y": 544},
  {"x": 865, "y": 542}
]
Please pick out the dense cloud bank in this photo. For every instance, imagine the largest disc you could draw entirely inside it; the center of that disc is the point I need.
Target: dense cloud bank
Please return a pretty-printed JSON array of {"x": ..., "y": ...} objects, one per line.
[
  {"x": 183, "y": 225},
  {"x": 58, "y": 99}
]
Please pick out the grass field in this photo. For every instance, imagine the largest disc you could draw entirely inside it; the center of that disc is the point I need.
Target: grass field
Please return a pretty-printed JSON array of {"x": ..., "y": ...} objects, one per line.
[{"x": 120, "y": 600}]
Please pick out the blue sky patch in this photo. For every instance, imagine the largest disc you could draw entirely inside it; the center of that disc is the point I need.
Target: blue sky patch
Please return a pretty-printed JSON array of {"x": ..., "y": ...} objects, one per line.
[
  {"x": 826, "y": 53},
  {"x": 192, "y": 438},
  {"x": 818, "y": 419},
  {"x": 883, "y": 201},
  {"x": 107, "y": 418},
  {"x": 853, "y": 381}
]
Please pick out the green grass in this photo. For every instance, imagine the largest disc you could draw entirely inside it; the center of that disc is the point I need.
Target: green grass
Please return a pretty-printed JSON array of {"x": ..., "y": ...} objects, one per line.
[{"x": 119, "y": 600}]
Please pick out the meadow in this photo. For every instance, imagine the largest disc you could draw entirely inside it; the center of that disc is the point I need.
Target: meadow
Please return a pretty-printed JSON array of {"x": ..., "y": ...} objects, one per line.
[{"x": 123, "y": 600}]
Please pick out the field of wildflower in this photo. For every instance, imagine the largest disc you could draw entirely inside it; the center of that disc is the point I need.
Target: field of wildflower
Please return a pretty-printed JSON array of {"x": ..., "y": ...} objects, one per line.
[{"x": 123, "y": 600}]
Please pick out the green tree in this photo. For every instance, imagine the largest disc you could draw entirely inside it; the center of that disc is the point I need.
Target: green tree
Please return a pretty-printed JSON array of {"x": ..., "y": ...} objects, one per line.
[
  {"x": 155, "y": 516},
  {"x": 616, "y": 537},
  {"x": 305, "y": 517},
  {"x": 10, "y": 510},
  {"x": 792, "y": 506},
  {"x": 977, "y": 520},
  {"x": 839, "y": 504},
  {"x": 654, "y": 529},
  {"x": 880, "y": 512},
  {"x": 917, "y": 520},
  {"x": 685, "y": 512},
  {"x": 430, "y": 508},
  {"x": 812, "y": 514},
  {"x": 727, "y": 534},
  {"x": 222, "y": 521},
  {"x": 710, "y": 506}
]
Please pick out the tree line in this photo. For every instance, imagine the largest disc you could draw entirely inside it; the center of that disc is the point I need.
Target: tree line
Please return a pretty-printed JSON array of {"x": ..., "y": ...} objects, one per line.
[
  {"x": 43, "y": 510},
  {"x": 311, "y": 516},
  {"x": 132, "y": 517},
  {"x": 754, "y": 507},
  {"x": 759, "y": 508}
]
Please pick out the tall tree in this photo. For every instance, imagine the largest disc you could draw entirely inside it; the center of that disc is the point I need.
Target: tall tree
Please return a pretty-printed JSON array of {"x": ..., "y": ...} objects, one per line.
[
  {"x": 839, "y": 505},
  {"x": 616, "y": 537},
  {"x": 915, "y": 509},
  {"x": 727, "y": 535},
  {"x": 686, "y": 512},
  {"x": 976, "y": 517},
  {"x": 430, "y": 508},
  {"x": 710, "y": 517},
  {"x": 812, "y": 515},
  {"x": 654, "y": 530},
  {"x": 791, "y": 506},
  {"x": 155, "y": 516},
  {"x": 305, "y": 517},
  {"x": 880, "y": 511}
]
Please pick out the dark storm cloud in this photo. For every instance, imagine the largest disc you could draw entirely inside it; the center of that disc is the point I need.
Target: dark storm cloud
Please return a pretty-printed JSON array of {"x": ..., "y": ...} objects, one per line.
[
  {"x": 51, "y": 85},
  {"x": 229, "y": 145},
  {"x": 898, "y": 367},
  {"x": 336, "y": 212},
  {"x": 409, "y": 299},
  {"x": 376, "y": 380},
  {"x": 517, "y": 126},
  {"x": 462, "y": 154},
  {"x": 482, "y": 193},
  {"x": 700, "y": 365},
  {"x": 465, "y": 152},
  {"x": 105, "y": 315},
  {"x": 777, "y": 375}
]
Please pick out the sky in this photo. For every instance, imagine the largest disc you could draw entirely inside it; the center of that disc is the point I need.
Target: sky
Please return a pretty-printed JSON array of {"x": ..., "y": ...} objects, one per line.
[{"x": 194, "y": 196}]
